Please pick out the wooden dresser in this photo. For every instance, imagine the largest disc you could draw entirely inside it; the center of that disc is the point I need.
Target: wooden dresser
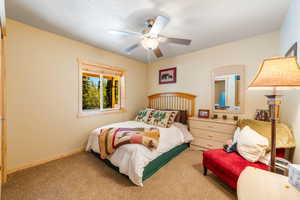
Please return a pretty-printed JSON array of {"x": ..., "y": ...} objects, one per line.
[{"x": 210, "y": 133}]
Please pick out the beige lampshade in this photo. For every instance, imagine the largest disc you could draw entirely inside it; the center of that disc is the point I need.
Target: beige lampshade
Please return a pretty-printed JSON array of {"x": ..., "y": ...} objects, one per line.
[{"x": 280, "y": 73}]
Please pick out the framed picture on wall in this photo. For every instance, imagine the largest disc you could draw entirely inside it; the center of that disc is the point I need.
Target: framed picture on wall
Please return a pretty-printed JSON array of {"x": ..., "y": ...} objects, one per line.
[
  {"x": 293, "y": 50},
  {"x": 167, "y": 76}
]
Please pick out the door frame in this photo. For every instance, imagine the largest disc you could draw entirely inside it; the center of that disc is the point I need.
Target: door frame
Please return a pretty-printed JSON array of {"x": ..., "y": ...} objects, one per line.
[{"x": 3, "y": 125}]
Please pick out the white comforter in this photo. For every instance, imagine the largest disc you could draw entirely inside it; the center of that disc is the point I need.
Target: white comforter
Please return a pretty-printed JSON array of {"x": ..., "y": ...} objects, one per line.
[{"x": 133, "y": 158}]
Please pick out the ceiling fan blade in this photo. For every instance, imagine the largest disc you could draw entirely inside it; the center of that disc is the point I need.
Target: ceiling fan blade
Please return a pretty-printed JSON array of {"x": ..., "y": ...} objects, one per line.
[
  {"x": 131, "y": 48},
  {"x": 179, "y": 41},
  {"x": 126, "y": 33},
  {"x": 158, "y": 52},
  {"x": 159, "y": 24}
]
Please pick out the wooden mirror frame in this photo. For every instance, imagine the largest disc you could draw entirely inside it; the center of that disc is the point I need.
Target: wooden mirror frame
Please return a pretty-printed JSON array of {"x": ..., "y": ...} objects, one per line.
[{"x": 226, "y": 70}]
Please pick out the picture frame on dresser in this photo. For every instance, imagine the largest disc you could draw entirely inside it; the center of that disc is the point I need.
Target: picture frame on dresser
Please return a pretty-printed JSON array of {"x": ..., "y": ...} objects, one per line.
[
  {"x": 262, "y": 115},
  {"x": 203, "y": 113}
]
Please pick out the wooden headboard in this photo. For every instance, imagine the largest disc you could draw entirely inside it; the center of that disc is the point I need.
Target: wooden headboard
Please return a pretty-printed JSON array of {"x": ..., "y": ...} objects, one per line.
[{"x": 173, "y": 100}]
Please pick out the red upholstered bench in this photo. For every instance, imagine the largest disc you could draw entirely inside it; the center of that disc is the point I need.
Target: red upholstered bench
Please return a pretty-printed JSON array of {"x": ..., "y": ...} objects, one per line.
[{"x": 228, "y": 166}]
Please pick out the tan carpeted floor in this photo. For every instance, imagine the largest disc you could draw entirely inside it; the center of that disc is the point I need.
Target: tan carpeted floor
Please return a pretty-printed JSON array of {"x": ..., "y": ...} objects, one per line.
[{"x": 83, "y": 176}]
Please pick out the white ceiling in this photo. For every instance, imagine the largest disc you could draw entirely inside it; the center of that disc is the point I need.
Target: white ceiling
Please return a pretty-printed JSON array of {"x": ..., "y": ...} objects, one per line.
[{"x": 206, "y": 22}]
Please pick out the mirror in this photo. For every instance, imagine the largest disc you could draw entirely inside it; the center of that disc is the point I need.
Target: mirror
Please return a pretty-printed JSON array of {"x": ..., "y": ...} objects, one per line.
[
  {"x": 227, "y": 89},
  {"x": 227, "y": 92}
]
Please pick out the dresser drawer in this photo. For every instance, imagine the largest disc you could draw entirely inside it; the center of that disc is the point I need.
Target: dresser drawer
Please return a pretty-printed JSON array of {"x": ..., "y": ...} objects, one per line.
[
  {"x": 210, "y": 135},
  {"x": 208, "y": 144},
  {"x": 225, "y": 128}
]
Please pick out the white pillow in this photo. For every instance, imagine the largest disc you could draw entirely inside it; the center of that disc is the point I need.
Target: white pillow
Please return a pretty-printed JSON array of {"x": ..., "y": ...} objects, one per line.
[
  {"x": 186, "y": 134},
  {"x": 236, "y": 135},
  {"x": 251, "y": 145}
]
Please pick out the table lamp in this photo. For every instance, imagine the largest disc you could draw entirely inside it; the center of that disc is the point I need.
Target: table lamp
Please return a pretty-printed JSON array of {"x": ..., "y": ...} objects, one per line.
[{"x": 276, "y": 74}]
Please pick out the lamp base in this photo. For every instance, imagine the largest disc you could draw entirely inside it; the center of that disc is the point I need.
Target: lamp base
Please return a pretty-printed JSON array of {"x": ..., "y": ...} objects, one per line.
[{"x": 274, "y": 102}]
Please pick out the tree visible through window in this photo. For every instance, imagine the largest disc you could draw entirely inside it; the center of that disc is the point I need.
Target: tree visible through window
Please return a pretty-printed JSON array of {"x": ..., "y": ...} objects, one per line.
[
  {"x": 101, "y": 88},
  {"x": 100, "y": 92},
  {"x": 90, "y": 92}
]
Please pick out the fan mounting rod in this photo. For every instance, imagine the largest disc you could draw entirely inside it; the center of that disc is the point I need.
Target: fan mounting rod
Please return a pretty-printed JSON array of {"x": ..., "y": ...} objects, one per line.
[{"x": 150, "y": 22}]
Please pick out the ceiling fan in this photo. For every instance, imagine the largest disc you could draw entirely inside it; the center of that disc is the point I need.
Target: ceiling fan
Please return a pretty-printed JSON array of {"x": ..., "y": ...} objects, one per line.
[{"x": 150, "y": 37}]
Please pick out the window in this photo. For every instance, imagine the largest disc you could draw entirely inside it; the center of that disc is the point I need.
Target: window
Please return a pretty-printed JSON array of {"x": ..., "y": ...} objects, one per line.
[{"x": 101, "y": 89}]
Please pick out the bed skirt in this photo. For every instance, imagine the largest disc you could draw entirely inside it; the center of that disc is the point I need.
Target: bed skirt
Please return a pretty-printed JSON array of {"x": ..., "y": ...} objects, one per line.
[{"x": 155, "y": 164}]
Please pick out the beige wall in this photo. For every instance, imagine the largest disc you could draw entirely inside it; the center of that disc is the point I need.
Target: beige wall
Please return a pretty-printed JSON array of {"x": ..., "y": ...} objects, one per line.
[
  {"x": 289, "y": 34},
  {"x": 193, "y": 69},
  {"x": 42, "y": 85}
]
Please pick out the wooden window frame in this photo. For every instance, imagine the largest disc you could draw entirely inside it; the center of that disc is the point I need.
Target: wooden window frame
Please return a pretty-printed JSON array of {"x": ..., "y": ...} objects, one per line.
[{"x": 92, "y": 67}]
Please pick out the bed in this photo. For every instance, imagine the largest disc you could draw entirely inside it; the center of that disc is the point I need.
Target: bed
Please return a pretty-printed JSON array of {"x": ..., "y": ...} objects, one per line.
[{"x": 135, "y": 160}]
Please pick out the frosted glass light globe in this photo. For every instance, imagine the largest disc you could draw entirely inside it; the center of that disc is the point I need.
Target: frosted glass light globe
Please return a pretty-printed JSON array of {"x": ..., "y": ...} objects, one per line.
[{"x": 150, "y": 43}]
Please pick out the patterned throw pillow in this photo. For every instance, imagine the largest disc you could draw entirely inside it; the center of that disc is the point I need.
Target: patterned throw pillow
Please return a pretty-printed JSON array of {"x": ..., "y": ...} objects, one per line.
[
  {"x": 163, "y": 118},
  {"x": 144, "y": 115}
]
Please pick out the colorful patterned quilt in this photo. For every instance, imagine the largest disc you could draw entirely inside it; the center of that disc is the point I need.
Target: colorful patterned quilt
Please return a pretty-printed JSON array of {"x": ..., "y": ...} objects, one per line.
[{"x": 112, "y": 138}]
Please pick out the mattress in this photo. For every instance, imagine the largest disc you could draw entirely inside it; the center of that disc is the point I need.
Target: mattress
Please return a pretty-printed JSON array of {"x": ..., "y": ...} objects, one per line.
[{"x": 132, "y": 159}]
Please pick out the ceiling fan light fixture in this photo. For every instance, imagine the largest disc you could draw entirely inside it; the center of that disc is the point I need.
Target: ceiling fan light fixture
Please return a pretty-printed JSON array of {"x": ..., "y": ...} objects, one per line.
[
  {"x": 150, "y": 43},
  {"x": 150, "y": 37}
]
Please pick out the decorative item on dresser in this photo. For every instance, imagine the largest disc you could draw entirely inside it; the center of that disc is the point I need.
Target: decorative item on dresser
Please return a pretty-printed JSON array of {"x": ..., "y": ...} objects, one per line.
[
  {"x": 262, "y": 115},
  {"x": 203, "y": 113},
  {"x": 210, "y": 133}
]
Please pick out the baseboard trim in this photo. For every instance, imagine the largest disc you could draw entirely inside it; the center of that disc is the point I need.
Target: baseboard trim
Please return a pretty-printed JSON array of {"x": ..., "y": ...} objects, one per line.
[{"x": 64, "y": 155}]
